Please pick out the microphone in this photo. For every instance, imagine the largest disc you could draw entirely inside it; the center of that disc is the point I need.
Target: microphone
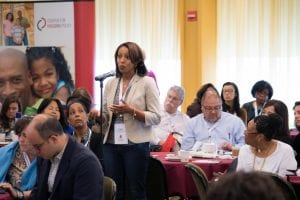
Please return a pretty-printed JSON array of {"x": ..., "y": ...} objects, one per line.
[{"x": 105, "y": 75}]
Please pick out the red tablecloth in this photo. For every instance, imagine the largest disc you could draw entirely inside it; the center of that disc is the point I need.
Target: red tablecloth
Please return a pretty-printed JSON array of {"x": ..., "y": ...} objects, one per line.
[
  {"x": 180, "y": 181},
  {"x": 5, "y": 196},
  {"x": 294, "y": 179}
]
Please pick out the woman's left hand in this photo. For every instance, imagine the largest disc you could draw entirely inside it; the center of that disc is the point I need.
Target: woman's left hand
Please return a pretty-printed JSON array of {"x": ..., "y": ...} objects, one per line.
[{"x": 121, "y": 108}]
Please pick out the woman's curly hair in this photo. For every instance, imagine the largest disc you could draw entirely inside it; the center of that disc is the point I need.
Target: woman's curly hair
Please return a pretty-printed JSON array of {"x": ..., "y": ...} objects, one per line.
[{"x": 268, "y": 125}]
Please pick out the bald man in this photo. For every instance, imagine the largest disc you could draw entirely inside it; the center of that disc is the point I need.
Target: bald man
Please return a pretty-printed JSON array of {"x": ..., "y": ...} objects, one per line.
[
  {"x": 66, "y": 168},
  {"x": 213, "y": 125},
  {"x": 15, "y": 78}
]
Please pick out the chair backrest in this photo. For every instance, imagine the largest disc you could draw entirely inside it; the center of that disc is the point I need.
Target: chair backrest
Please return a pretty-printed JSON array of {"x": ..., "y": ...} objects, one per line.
[
  {"x": 110, "y": 188},
  {"x": 200, "y": 179},
  {"x": 232, "y": 167},
  {"x": 156, "y": 184},
  {"x": 286, "y": 187}
]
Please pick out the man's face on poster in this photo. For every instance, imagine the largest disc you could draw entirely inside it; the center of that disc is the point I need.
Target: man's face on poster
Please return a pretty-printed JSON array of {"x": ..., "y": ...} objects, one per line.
[{"x": 14, "y": 79}]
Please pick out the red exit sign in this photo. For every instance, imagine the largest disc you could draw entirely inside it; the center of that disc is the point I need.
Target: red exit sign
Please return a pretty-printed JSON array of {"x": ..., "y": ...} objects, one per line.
[{"x": 191, "y": 15}]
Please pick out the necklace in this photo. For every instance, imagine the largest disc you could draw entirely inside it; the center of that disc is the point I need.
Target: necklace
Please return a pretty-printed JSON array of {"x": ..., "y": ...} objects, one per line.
[{"x": 255, "y": 165}]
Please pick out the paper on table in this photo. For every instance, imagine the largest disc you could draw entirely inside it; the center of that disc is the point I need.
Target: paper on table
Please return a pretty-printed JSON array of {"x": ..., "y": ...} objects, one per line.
[
  {"x": 173, "y": 158},
  {"x": 201, "y": 154},
  {"x": 205, "y": 161}
]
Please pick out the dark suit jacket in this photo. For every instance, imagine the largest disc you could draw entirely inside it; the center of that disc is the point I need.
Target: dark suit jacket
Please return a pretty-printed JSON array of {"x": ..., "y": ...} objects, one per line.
[{"x": 79, "y": 176}]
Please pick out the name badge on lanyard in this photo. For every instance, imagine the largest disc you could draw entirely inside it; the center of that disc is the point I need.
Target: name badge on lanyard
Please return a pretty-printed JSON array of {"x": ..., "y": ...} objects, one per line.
[
  {"x": 120, "y": 133},
  {"x": 119, "y": 126}
]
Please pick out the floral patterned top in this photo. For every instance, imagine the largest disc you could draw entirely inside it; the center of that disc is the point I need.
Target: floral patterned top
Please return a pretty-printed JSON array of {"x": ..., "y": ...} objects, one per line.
[{"x": 17, "y": 168}]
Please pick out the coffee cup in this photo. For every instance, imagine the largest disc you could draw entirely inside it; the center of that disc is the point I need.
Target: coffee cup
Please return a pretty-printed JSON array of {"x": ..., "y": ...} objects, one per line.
[
  {"x": 2, "y": 137},
  {"x": 209, "y": 148},
  {"x": 235, "y": 151},
  {"x": 184, "y": 156}
]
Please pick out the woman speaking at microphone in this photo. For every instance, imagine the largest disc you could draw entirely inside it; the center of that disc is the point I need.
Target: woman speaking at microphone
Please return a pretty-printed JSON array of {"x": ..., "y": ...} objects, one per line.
[{"x": 130, "y": 108}]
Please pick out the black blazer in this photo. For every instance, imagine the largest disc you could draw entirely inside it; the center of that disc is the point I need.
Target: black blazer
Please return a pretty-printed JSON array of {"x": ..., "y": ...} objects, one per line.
[{"x": 79, "y": 175}]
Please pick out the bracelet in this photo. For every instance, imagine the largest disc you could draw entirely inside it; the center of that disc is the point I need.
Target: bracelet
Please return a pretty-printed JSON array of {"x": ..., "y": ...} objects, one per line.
[
  {"x": 134, "y": 114},
  {"x": 20, "y": 194}
]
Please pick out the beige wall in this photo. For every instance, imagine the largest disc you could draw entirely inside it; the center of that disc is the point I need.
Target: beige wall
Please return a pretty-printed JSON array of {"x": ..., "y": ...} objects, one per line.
[{"x": 198, "y": 45}]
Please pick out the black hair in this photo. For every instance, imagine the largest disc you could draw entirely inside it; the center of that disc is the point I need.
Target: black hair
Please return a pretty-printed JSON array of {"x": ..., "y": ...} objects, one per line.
[
  {"x": 259, "y": 86},
  {"x": 10, "y": 13},
  {"x": 236, "y": 101},
  {"x": 281, "y": 109},
  {"x": 245, "y": 186},
  {"x": 21, "y": 124},
  {"x": 55, "y": 55},
  {"x": 3, "y": 117},
  {"x": 136, "y": 56},
  {"x": 297, "y": 103},
  {"x": 85, "y": 102},
  {"x": 203, "y": 89},
  {"x": 268, "y": 125},
  {"x": 46, "y": 102}
]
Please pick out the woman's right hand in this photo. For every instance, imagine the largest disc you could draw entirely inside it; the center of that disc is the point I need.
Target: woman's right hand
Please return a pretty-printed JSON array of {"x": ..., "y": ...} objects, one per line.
[{"x": 9, "y": 188}]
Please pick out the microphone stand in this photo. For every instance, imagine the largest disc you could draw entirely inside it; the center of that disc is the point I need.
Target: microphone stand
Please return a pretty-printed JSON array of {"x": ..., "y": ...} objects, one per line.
[
  {"x": 101, "y": 121},
  {"x": 101, "y": 105}
]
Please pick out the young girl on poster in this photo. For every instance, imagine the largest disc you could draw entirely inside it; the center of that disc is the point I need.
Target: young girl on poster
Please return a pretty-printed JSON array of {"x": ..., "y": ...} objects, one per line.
[{"x": 50, "y": 73}]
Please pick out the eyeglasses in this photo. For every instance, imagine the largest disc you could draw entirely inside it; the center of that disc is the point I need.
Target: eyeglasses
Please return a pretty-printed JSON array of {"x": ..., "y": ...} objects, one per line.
[
  {"x": 263, "y": 93},
  {"x": 212, "y": 108},
  {"x": 251, "y": 133},
  {"x": 228, "y": 91},
  {"x": 38, "y": 146}
]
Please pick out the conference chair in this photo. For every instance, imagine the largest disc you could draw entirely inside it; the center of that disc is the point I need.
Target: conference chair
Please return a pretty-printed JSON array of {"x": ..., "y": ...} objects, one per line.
[
  {"x": 110, "y": 188},
  {"x": 286, "y": 187},
  {"x": 200, "y": 179},
  {"x": 156, "y": 182}
]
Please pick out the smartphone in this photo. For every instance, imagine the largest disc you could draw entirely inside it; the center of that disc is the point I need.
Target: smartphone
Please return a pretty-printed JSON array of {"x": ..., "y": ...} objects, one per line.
[
  {"x": 2, "y": 191},
  {"x": 18, "y": 115}
]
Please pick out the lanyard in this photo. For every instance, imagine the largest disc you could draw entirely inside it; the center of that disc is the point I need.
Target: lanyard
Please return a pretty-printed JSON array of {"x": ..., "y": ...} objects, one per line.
[
  {"x": 124, "y": 97},
  {"x": 256, "y": 113},
  {"x": 210, "y": 129}
]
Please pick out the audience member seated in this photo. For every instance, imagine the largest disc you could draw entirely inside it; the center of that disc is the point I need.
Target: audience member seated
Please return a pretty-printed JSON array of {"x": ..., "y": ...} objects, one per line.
[
  {"x": 245, "y": 186},
  {"x": 168, "y": 132},
  {"x": 296, "y": 143},
  {"x": 195, "y": 107},
  {"x": 231, "y": 101},
  {"x": 213, "y": 125},
  {"x": 262, "y": 91},
  {"x": 65, "y": 168},
  {"x": 52, "y": 106},
  {"x": 262, "y": 152},
  {"x": 94, "y": 114},
  {"x": 18, "y": 164},
  {"x": 278, "y": 107},
  {"x": 78, "y": 108},
  {"x": 11, "y": 106}
]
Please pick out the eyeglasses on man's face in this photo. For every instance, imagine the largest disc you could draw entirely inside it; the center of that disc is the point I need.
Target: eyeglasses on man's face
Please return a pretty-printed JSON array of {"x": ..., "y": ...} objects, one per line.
[
  {"x": 212, "y": 108},
  {"x": 38, "y": 146}
]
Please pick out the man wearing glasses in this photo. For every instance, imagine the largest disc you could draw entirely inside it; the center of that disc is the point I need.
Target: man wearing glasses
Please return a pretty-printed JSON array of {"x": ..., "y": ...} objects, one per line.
[
  {"x": 213, "y": 126},
  {"x": 66, "y": 169}
]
